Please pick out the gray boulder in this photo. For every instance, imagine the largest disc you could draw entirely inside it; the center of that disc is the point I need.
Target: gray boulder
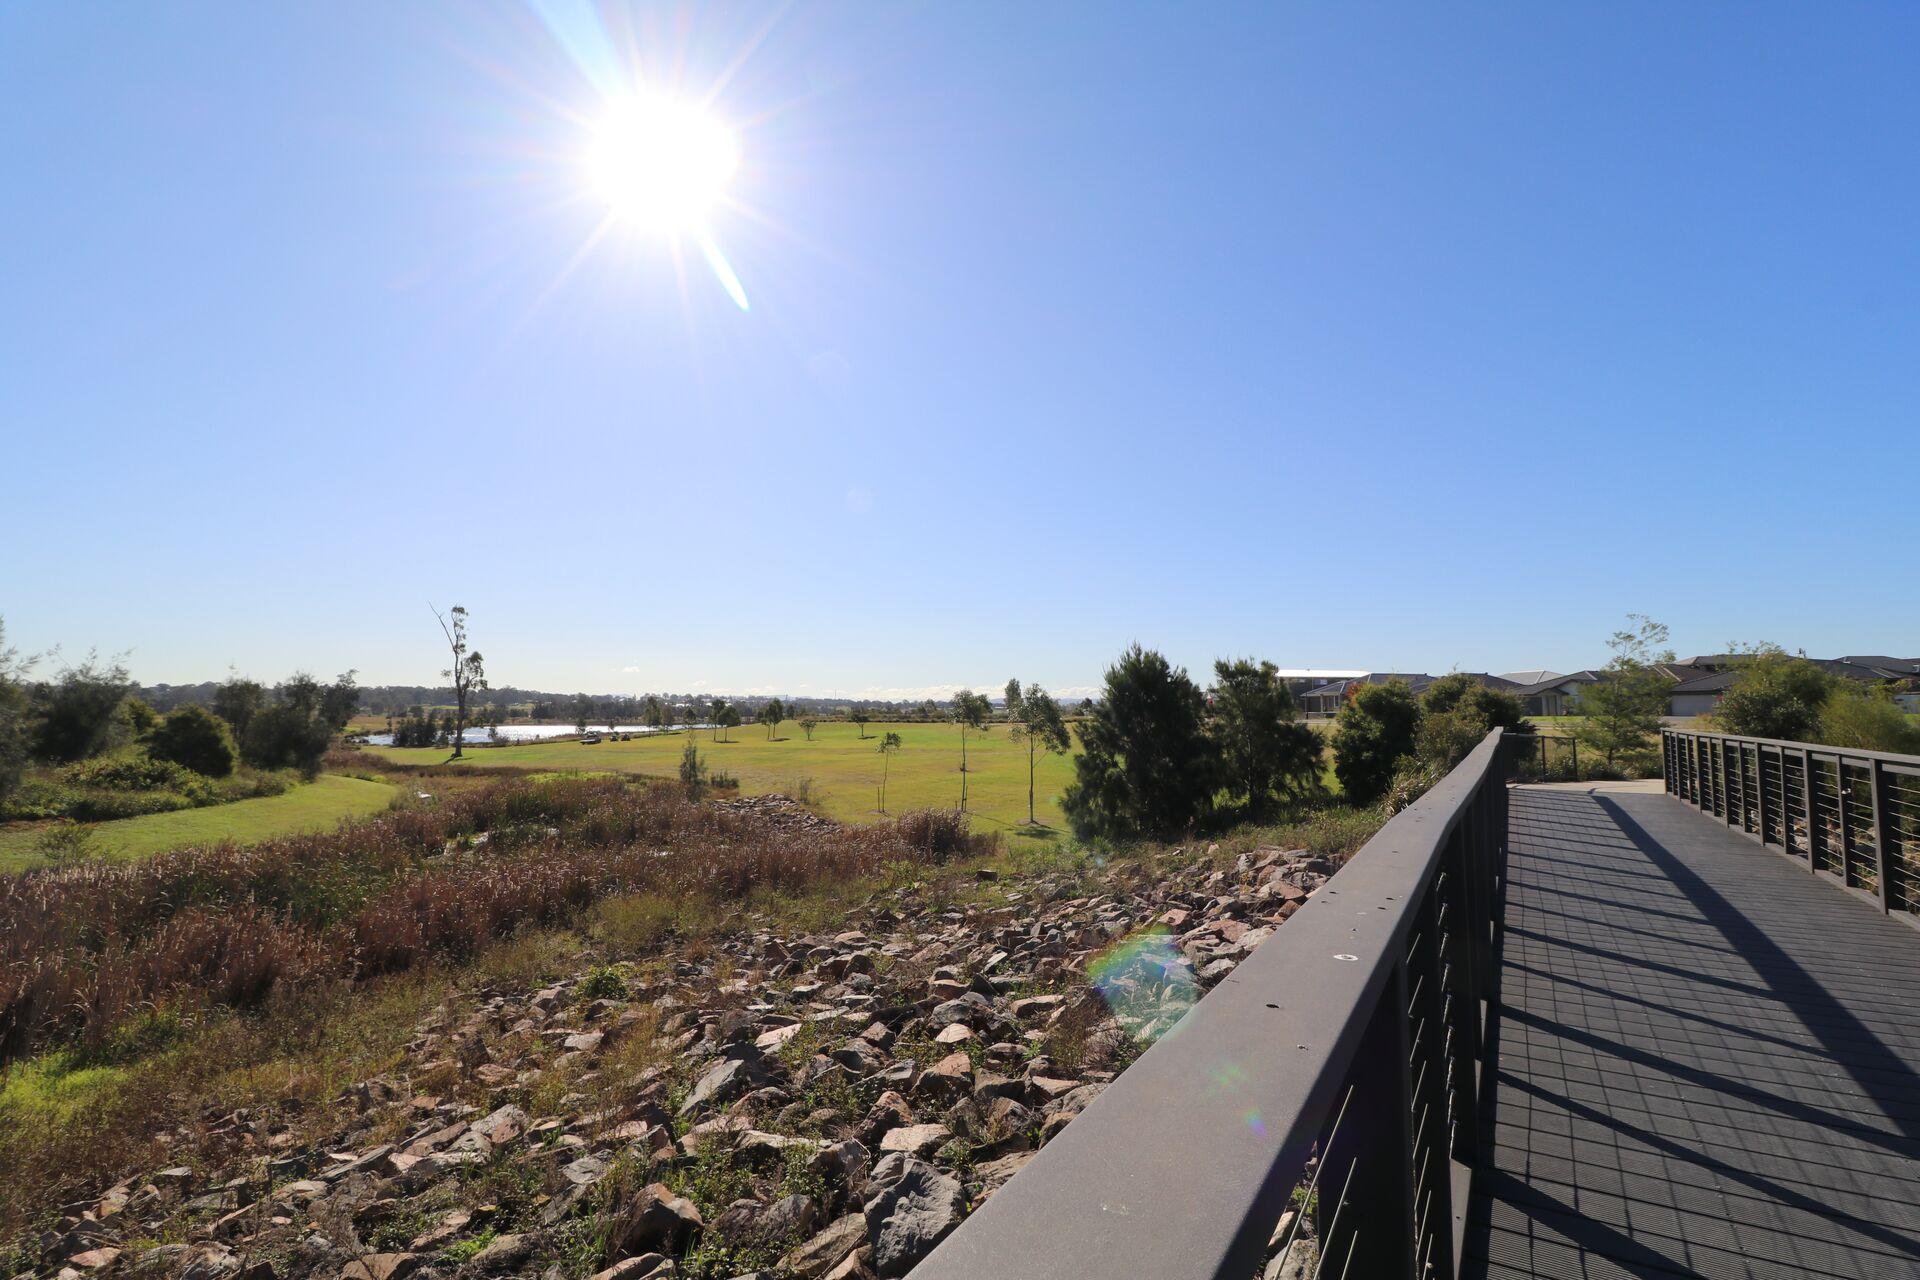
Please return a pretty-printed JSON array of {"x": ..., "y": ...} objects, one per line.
[{"x": 912, "y": 1212}]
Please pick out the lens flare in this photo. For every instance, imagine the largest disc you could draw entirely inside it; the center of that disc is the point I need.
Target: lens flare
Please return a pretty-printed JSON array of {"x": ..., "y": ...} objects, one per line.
[{"x": 1146, "y": 982}]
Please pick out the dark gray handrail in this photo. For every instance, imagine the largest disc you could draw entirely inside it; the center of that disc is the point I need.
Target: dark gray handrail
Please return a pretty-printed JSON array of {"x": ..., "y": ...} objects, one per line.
[
  {"x": 1849, "y": 816},
  {"x": 1352, "y": 1035}
]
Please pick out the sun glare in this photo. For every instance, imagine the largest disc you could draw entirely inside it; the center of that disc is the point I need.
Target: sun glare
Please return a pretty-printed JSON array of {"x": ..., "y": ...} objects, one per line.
[{"x": 661, "y": 164}]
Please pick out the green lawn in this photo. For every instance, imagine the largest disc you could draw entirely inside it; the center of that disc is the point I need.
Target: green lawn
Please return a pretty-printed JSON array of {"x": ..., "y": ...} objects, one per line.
[
  {"x": 314, "y": 806},
  {"x": 844, "y": 768}
]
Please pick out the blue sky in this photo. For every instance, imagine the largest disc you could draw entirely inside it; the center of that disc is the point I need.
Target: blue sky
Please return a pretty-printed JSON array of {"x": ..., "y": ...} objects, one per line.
[{"x": 1343, "y": 335}]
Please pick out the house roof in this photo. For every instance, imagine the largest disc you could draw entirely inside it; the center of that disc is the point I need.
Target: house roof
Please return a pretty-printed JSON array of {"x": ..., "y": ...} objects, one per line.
[
  {"x": 1711, "y": 682},
  {"x": 1531, "y": 677},
  {"x": 1880, "y": 663},
  {"x": 1491, "y": 681},
  {"x": 1557, "y": 682}
]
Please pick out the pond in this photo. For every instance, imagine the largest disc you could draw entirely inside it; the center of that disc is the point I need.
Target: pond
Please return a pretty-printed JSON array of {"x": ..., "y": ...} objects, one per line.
[{"x": 531, "y": 732}]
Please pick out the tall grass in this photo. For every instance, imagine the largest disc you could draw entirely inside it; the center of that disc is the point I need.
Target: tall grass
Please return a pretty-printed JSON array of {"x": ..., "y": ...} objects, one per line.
[{"x": 85, "y": 948}]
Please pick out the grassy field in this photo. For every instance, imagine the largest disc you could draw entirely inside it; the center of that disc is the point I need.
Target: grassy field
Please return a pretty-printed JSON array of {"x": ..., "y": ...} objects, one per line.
[
  {"x": 313, "y": 806},
  {"x": 839, "y": 770}
]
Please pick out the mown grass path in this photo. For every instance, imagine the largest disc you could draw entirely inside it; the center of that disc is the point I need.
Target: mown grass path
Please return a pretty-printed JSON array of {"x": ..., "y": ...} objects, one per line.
[
  {"x": 842, "y": 768},
  {"x": 313, "y": 806}
]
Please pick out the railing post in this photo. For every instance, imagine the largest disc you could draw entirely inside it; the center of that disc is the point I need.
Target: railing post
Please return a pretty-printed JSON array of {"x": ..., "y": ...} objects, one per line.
[
  {"x": 1882, "y": 829},
  {"x": 1806, "y": 803},
  {"x": 1760, "y": 792},
  {"x": 1846, "y": 819}
]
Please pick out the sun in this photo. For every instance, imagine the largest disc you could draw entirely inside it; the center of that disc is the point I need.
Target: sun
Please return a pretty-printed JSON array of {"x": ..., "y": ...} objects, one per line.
[{"x": 661, "y": 164}]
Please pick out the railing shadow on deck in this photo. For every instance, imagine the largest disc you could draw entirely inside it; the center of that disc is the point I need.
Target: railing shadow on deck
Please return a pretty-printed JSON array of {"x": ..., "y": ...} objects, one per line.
[
  {"x": 1849, "y": 1043},
  {"x": 1339, "y": 1070}
]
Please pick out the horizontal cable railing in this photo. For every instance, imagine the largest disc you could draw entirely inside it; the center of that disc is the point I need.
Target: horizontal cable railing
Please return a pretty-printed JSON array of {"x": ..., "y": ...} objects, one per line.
[
  {"x": 1850, "y": 816},
  {"x": 1324, "y": 1098}
]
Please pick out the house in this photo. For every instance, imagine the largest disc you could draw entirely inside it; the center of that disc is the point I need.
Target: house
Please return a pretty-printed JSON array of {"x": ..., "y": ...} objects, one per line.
[
  {"x": 1302, "y": 680},
  {"x": 1699, "y": 694},
  {"x": 1327, "y": 699},
  {"x": 1700, "y": 682},
  {"x": 1550, "y": 693}
]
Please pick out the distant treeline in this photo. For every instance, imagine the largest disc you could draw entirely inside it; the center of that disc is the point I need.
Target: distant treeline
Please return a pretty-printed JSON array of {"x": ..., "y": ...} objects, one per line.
[{"x": 516, "y": 704}]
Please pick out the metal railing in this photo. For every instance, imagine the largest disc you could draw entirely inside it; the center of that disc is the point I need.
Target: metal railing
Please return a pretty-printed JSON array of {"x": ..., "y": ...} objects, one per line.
[
  {"x": 1338, "y": 1071},
  {"x": 1533, "y": 756},
  {"x": 1852, "y": 817}
]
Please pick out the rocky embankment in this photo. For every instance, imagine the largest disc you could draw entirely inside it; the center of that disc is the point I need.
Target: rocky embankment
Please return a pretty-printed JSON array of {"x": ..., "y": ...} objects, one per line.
[{"x": 819, "y": 1105}]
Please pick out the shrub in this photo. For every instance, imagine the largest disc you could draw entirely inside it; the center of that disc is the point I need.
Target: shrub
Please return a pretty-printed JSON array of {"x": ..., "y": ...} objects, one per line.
[
  {"x": 196, "y": 739},
  {"x": 693, "y": 770},
  {"x": 1852, "y": 717},
  {"x": 1372, "y": 734},
  {"x": 604, "y": 983},
  {"x": 103, "y": 805},
  {"x": 67, "y": 844},
  {"x": 134, "y": 771},
  {"x": 39, "y": 797},
  {"x": 84, "y": 948}
]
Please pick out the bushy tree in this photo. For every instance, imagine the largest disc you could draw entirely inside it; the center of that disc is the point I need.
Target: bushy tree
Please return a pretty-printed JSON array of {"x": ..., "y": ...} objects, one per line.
[
  {"x": 194, "y": 738},
  {"x": 860, "y": 720},
  {"x": 1039, "y": 726},
  {"x": 729, "y": 717},
  {"x": 236, "y": 701},
  {"x": 420, "y": 727},
  {"x": 807, "y": 726},
  {"x": 1621, "y": 711},
  {"x": 1372, "y": 734},
  {"x": 78, "y": 715},
  {"x": 582, "y": 711},
  {"x": 1269, "y": 756},
  {"x": 1774, "y": 695},
  {"x": 293, "y": 730},
  {"x": 1148, "y": 766}
]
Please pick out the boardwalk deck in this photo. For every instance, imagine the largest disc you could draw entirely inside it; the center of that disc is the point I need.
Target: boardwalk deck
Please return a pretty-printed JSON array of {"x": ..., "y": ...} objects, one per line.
[{"x": 1708, "y": 1060}]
